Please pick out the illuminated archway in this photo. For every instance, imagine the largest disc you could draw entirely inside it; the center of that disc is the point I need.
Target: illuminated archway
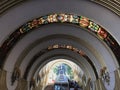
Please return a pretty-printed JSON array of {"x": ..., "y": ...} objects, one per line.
[{"x": 51, "y": 70}]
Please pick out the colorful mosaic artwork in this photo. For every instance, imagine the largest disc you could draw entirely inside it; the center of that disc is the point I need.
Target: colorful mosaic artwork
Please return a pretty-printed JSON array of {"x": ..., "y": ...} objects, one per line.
[
  {"x": 69, "y": 47},
  {"x": 81, "y": 21}
]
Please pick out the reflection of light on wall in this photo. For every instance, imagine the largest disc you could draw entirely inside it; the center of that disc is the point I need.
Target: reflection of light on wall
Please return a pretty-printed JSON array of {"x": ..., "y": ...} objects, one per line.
[{"x": 51, "y": 77}]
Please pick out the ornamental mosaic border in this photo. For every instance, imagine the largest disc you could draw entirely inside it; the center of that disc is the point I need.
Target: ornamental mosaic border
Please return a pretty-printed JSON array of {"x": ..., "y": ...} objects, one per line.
[{"x": 81, "y": 21}]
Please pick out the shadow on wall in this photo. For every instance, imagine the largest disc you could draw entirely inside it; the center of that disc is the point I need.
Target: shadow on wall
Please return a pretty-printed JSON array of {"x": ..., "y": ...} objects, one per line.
[{"x": 49, "y": 87}]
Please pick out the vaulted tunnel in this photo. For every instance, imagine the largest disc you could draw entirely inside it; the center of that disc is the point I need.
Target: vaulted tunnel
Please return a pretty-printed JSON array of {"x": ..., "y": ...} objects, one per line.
[{"x": 46, "y": 44}]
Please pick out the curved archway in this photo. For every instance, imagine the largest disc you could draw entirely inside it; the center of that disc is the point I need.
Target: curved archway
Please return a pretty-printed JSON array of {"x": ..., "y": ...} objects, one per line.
[
  {"x": 72, "y": 71},
  {"x": 8, "y": 45},
  {"x": 81, "y": 21},
  {"x": 68, "y": 47}
]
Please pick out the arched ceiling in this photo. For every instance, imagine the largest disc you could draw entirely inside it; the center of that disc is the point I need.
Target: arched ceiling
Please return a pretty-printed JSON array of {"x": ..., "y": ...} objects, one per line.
[
  {"x": 113, "y": 5},
  {"x": 28, "y": 47}
]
